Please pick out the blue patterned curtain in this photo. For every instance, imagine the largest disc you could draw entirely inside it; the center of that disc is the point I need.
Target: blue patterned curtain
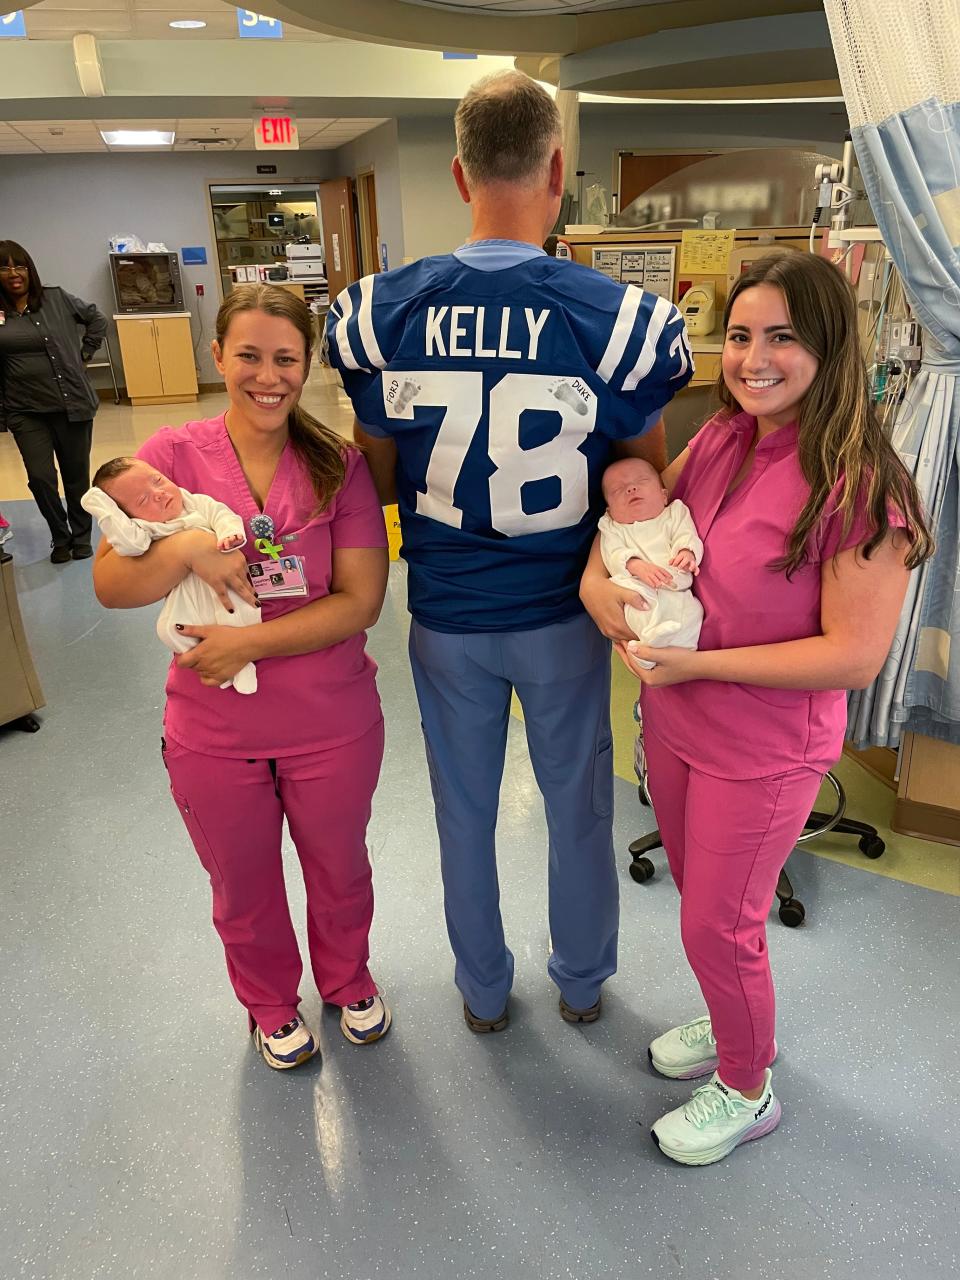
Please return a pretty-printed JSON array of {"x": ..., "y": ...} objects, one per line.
[{"x": 900, "y": 71}]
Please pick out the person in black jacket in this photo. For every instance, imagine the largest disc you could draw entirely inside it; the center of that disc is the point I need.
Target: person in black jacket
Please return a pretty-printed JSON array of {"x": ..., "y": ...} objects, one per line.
[{"x": 46, "y": 399}]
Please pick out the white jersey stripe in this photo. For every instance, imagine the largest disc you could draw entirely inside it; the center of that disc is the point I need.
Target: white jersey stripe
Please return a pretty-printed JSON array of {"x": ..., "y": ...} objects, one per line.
[
  {"x": 368, "y": 339},
  {"x": 343, "y": 342},
  {"x": 622, "y": 329},
  {"x": 662, "y": 311}
]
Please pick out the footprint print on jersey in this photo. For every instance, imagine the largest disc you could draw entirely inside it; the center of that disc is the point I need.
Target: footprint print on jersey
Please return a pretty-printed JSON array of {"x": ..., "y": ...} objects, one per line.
[
  {"x": 409, "y": 390},
  {"x": 562, "y": 390}
]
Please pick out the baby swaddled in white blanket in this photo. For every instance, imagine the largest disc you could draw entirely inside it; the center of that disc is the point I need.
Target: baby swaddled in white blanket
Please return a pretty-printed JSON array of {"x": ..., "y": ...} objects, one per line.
[
  {"x": 651, "y": 547},
  {"x": 134, "y": 505}
]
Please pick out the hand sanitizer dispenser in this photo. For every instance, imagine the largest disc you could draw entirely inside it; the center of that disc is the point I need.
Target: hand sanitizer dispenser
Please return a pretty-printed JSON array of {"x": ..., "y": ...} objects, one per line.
[{"x": 698, "y": 306}]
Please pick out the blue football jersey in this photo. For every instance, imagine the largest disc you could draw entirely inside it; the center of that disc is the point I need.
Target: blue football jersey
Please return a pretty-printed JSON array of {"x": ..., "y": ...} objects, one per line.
[{"x": 503, "y": 391}]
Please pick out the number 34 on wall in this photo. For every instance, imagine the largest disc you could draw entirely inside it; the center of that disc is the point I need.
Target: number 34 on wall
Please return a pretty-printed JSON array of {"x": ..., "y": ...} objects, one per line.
[
  {"x": 12, "y": 25},
  {"x": 256, "y": 26}
]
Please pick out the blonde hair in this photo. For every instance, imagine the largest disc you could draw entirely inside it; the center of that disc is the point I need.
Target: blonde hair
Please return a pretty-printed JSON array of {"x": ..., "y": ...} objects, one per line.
[
  {"x": 321, "y": 450},
  {"x": 840, "y": 441}
]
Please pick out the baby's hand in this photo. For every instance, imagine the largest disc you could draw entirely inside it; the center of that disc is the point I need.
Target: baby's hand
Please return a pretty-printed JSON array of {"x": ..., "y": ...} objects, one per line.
[
  {"x": 228, "y": 544},
  {"x": 649, "y": 574},
  {"x": 686, "y": 562}
]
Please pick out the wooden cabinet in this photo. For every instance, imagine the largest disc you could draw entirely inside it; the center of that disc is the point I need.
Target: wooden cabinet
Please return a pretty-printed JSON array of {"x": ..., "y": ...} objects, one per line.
[
  {"x": 158, "y": 364},
  {"x": 928, "y": 796},
  {"x": 20, "y": 691}
]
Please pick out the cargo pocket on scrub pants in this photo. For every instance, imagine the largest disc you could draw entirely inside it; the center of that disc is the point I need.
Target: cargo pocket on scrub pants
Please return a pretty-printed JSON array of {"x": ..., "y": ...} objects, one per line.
[
  {"x": 603, "y": 778},
  {"x": 194, "y": 827}
]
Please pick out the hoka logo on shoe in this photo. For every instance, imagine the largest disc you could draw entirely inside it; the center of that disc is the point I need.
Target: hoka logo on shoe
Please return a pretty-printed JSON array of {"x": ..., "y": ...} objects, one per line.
[
  {"x": 719, "y": 1085},
  {"x": 766, "y": 1104}
]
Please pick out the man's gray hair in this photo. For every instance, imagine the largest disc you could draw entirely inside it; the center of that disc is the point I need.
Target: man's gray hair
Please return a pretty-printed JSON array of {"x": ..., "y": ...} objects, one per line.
[{"x": 507, "y": 129}]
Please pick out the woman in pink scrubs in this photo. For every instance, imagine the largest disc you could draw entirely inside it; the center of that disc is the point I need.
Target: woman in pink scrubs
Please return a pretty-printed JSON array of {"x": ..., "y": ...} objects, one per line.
[
  {"x": 308, "y": 744},
  {"x": 810, "y": 526}
]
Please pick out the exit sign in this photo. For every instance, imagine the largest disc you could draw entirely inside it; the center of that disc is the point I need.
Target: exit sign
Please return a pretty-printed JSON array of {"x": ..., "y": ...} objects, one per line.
[{"x": 276, "y": 133}]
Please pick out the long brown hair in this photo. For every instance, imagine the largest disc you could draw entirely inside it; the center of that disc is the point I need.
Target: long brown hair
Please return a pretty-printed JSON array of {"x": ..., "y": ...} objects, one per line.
[
  {"x": 840, "y": 441},
  {"x": 321, "y": 450},
  {"x": 16, "y": 254}
]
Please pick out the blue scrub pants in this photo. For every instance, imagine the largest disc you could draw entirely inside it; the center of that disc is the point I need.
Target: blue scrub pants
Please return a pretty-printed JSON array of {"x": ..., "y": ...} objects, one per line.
[{"x": 561, "y": 674}]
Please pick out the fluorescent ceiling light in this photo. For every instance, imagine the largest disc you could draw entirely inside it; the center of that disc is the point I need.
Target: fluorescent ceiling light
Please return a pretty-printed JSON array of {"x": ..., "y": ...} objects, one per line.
[
  {"x": 188, "y": 24},
  {"x": 137, "y": 137}
]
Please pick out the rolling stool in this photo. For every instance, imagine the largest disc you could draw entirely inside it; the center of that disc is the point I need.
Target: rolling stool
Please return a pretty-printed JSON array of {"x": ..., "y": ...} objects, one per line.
[{"x": 791, "y": 910}]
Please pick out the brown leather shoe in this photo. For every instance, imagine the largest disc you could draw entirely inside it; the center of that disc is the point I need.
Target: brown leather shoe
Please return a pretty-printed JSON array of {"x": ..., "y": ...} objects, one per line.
[
  {"x": 579, "y": 1015},
  {"x": 484, "y": 1025}
]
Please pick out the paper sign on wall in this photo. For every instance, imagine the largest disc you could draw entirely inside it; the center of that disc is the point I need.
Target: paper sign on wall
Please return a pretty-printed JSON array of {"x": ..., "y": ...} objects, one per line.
[
  {"x": 651, "y": 267},
  {"x": 705, "y": 253},
  {"x": 335, "y": 244}
]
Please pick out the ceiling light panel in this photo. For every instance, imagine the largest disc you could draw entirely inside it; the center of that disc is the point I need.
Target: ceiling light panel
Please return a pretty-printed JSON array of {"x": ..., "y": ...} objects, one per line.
[{"x": 137, "y": 137}]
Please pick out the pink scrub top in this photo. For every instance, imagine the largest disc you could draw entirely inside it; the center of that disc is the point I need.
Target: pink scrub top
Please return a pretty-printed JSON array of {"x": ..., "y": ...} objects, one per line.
[
  {"x": 740, "y": 731},
  {"x": 306, "y": 702}
]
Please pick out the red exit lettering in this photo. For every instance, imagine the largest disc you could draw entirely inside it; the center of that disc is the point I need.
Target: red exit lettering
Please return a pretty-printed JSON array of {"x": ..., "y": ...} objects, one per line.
[{"x": 276, "y": 130}]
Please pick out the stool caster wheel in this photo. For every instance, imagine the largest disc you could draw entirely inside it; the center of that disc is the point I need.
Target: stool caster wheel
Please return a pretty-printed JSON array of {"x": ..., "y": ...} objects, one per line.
[
  {"x": 642, "y": 870},
  {"x": 871, "y": 846},
  {"x": 792, "y": 913},
  {"x": 29, "y": 724}
]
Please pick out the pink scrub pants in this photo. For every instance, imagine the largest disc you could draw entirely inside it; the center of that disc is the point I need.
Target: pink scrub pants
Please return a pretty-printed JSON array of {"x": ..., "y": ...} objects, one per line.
[
  {"x": 726, "y": 842},
  {"x": 234, "y": 811}
]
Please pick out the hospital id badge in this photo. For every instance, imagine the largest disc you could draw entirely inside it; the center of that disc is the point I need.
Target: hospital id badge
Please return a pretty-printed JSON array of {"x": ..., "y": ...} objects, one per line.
[{"x": 277, "y": 579}]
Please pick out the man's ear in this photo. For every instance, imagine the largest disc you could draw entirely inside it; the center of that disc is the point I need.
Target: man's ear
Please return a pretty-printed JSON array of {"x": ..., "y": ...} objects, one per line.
[
  {"x": 556, "y": 172},
  {"x": 456, "y": 168}
]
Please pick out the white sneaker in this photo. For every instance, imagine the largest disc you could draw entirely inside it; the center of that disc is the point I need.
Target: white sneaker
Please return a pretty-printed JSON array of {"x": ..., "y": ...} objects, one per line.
[
  {"x": 685, "y": 1052},
  {"x": 288, "y": 1046},
  {"x": 365, "y": 1021},
  {"x": 715, "y": 1121}
]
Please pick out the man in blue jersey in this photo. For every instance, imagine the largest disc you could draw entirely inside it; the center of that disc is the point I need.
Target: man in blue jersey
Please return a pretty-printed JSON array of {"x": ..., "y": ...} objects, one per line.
[{"x": 491, "y": 388}]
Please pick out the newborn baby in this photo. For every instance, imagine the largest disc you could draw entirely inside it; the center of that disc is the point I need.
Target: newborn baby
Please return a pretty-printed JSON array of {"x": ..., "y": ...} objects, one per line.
[
  {"x": 134, "y": 505},
  {"x": 651, "y": 547}
]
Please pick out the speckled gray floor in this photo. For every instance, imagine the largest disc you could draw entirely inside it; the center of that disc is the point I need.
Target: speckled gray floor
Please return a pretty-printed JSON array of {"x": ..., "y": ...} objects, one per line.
[{"x": 140, "y": 1136}]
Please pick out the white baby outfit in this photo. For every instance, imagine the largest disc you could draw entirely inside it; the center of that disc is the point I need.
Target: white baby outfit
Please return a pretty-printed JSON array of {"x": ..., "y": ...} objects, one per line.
[
  {"x": 192, "y": 602},
  {"x": 675, "y": 613}
]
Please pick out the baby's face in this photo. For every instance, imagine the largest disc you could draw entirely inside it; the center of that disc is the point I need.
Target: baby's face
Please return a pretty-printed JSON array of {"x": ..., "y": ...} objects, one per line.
[
  {"x": 633, "y": 491},
  {"x": 145, "y": 494}
]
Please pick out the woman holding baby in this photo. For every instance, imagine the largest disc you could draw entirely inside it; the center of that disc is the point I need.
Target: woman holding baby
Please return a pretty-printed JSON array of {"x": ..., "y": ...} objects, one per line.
[
  {"x": 810, "y": 526},
  {"x": 308, "y": 744}
]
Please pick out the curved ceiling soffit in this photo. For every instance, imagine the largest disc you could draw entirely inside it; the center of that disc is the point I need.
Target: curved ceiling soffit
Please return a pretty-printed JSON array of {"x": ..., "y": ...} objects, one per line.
[
  {"x": 421, "y": 26},
  {"x": 719, "y": 59},
  {"x": 630, "y": 52}
]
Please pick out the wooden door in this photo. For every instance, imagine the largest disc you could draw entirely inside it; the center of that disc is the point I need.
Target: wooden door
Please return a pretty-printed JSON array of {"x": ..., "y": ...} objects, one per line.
[
  {"x": 175, "y": 349},
  {"x": 339, "y": 234},
  {"x": 639, "y": 173},
  {"x": 369, "y": 227},
  {"x": 141, "y": 364}
]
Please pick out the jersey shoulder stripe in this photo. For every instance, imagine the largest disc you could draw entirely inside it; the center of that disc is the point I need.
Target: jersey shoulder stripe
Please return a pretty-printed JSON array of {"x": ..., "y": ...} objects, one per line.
[
  {"x": 629, "y": 322},
  {"x": 377, "y": 303}
]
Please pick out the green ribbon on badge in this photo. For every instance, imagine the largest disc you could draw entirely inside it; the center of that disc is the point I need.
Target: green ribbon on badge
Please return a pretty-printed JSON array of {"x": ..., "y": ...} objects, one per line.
[{"x": 268, "y": 548}]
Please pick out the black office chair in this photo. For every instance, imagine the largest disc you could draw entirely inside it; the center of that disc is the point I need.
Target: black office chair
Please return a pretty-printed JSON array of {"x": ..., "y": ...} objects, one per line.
[{"x": 791, "y": 911}]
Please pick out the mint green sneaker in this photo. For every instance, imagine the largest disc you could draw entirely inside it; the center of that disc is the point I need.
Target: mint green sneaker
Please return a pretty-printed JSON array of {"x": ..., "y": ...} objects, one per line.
[
  {"x": 715, "y": 1122},
  {"x": 685, "y": 1052}
]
